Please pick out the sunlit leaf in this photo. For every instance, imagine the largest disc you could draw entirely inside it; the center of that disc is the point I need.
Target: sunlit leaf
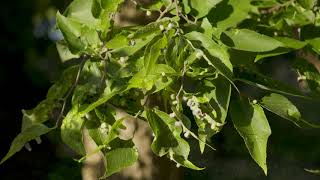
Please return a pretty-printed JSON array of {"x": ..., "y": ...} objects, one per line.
[{"x": 252, "y": 125}]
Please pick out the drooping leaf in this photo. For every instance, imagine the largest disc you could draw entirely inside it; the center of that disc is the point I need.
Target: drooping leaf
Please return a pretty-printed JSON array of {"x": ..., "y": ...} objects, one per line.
[
  {"x": 32, "y": 132},
  {"x": 252, "y": 125},
  {"x": 247, "y": 40},
  {"x": 284, "y": 108},
  {"x": 71, "y": 131},
  {"x": 43, "y": 111}
]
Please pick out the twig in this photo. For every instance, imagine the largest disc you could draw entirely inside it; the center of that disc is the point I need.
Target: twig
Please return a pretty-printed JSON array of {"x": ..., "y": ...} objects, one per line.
[
  {"x": 164, "y": 11},
  {"x": 75, "y": 83}
]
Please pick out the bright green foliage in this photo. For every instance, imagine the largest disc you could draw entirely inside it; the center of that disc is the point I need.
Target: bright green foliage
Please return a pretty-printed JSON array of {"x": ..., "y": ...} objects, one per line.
[{"x": 179, "y": 74}]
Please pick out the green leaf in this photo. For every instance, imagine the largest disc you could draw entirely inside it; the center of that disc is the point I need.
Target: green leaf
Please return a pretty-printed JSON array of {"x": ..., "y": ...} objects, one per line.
[
  {"x": 111, "y": 5},
  {"x": 289, "y": 43},
  {"x": 152, "y": 54},
  {"x": 202, "y": 8},
  {"x": 315, "y": 44},
  {"x": 31, "y": 133},
  {"x": 96, "y": 8},
  {"x": 247, "y": 40},
  {"x": 283, "y": 107},
  {"x": 43, "y": 111},
  {"x": 121, "y": 48},
  {"x": 298, "y": 16},
  {"x": 64, "y": 52},
  {"x": 276, "y": 52},
  {"x": 252, "y": 125},
  {"x": 119, "y": 159},
  {"x": 223, "y": 63},
  {"x": 146, "y": 80},
  {"x": 310, "y": 74},
  {"x": 71, "y": 131},
  {"x": 167, "y": 138},
  {"x": 207, "y": 27},
  {"x": 80, "y": 11},
  {"x": 307, "y": 4},
  {"x": 254, "y": 78},
  {"x": 229, "y": 14},
  {"x": 71, "y": 32},
  {"x": 151, "y": 28}
]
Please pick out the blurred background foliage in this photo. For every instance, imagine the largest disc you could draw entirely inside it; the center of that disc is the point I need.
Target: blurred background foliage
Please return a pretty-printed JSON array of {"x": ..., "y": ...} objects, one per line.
[{"x": 30, "y": 63}]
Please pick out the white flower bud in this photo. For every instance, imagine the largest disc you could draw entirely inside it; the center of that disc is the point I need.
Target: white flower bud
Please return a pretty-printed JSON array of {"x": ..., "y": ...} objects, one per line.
[
  {"x": 38, "y": 139},
  {"x": 163, "y": 74},
  {"x": 172, "y": 96},
  {"x": 178, "y": 165},
  {"x": 161, "y": 27},
  {"x": 301, "y": 78},
  {"x": 199, "y": 54},
  {"x": 177, "y": 123},
  {"x": 130, "y": 36},
  {"x": 186, "y": 134},
  {"x": 148, "y": 13},
  {"x": 254, "y": 101},
  {"x": 103, "y": 125},
  {"x": 174, "y": 102},
  {"x": 184, "y": 98},
  {"x": 170, "y": 26},
  {"x": 171, "y": 158},
  {"x": 28, "y": 147},
  {"x": 213, "y": 126},
  {"x": 122, "y": 60},
  {"x": 132, "y": 42},
  {"x": 172, "y": 114}
]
